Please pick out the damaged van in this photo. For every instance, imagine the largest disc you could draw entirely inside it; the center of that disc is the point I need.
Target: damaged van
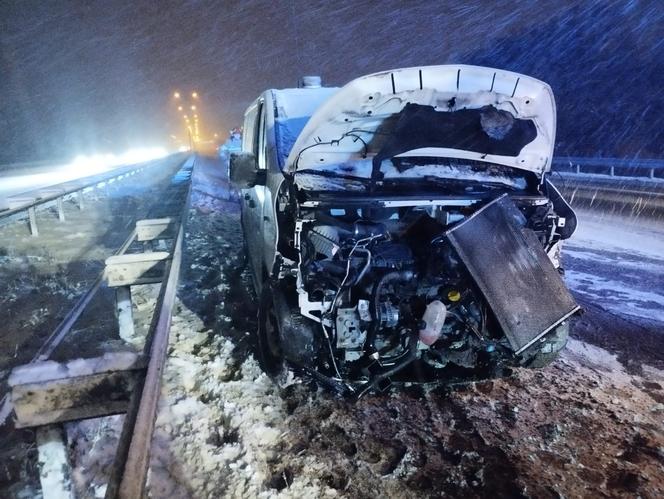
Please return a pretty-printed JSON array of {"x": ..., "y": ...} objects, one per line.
[{"x": 402, "y": 228}]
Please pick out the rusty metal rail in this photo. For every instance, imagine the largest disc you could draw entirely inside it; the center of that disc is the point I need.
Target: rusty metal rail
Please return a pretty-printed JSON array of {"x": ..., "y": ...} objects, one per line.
[
  {"x": 129, "y": 474},
  {"x": 134, "y": 387}
]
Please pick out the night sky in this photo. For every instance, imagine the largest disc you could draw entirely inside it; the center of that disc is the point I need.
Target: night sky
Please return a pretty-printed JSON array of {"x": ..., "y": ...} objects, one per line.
[{"x": 96, "y": 76}]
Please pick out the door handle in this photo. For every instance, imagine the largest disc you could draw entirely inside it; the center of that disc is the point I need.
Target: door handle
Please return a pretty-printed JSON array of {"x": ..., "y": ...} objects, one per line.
[{"x": 250, "y": 202}]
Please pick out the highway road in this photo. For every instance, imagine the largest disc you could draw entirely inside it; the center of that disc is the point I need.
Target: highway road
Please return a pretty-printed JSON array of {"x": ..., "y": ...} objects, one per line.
[
  {"x": 17, "y": 181},
  {"x": 21, "y": 178},
  {"x": 617, "y": 263}
]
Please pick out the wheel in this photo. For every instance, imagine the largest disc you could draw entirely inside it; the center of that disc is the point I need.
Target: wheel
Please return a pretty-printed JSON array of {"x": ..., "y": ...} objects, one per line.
[
  {"x": 270, "y": 356},
  {"x": 545, "y": 351}
]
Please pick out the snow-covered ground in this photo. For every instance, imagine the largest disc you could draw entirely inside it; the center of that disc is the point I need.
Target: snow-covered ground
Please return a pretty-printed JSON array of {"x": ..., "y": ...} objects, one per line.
[{"x": 590, "y": 425}]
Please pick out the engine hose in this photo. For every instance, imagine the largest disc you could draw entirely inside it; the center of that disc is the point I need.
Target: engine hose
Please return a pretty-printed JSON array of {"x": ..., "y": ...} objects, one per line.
[
  {"x": 364, "y": 270},
  {"x": 398, "y": 275},
  {"x": 410, "y": 357}
]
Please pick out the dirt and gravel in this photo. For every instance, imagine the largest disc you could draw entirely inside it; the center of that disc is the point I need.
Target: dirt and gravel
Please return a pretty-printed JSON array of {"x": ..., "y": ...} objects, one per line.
[{"x": 589, "y": 425}]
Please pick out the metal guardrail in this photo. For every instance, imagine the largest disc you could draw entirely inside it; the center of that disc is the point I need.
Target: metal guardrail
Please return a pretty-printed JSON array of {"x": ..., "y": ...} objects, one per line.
[
  {"x": 130, "y": 468},
  {"x": 29, "y": 201},
  {"x": 64, "y": 395},
  {"x": 613, "y": 167},
  {"x": 633, "y": 188},
  {"x": 59, "y": 333}
]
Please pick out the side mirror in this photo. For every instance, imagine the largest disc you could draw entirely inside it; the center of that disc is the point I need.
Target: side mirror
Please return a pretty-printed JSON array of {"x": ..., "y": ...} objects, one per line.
[{"x": 243, "y": 171}]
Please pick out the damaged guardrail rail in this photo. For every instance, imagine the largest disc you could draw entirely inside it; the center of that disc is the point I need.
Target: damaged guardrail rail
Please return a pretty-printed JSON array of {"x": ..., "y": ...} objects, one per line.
[
  {"x": 56, "y": 194},
  {"x": 44, "y": 393},
  {"x": 612, "y": 167},
  {"x": 632, "y": 187}
]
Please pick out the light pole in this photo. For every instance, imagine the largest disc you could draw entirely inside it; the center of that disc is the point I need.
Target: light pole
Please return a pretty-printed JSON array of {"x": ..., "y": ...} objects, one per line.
[
  {"x": 191, "y": 143},
  {"x": 189, "y": 104}
]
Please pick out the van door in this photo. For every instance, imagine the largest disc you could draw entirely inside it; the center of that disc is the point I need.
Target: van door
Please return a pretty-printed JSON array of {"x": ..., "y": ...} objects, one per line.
[{"x": 253, "y": 199}]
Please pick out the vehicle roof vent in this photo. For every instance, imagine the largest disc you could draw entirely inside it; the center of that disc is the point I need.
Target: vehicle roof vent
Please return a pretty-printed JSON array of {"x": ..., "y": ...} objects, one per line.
[{"x": 310, "y": 82}]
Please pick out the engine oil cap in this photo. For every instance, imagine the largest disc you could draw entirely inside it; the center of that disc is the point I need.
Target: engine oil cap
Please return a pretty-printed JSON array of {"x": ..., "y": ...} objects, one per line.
[{"x": 453, "y": 295}]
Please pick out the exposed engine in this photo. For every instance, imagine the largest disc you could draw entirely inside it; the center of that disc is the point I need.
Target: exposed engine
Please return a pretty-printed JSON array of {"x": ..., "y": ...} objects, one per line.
[{"x": 392, "y": 299}]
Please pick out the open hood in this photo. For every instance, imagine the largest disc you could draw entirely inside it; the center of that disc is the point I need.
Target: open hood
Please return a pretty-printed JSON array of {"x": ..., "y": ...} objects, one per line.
[{"x": 455, "y": 111}]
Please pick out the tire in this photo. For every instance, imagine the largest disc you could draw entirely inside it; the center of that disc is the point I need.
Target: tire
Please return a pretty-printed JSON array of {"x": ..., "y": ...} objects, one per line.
[
  {"x": 545, "y": 352},
  {"x": 269, "y": 356},
  {"x": 242, "y": 258}
]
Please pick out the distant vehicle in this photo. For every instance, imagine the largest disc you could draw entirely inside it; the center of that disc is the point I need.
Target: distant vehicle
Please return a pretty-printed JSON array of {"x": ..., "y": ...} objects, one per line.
[
  {"x": 402, "y": 228},
  {"x": 232, "y": 144}
]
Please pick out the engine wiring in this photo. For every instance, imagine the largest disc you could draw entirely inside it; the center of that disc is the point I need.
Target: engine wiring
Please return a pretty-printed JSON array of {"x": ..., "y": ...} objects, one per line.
[
  {"x": 334, "y": 362},
  {"x": 365, "y": 241}
]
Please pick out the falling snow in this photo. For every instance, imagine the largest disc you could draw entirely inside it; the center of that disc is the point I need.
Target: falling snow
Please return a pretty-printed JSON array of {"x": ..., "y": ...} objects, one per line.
[{"x": 83, "y": 76}]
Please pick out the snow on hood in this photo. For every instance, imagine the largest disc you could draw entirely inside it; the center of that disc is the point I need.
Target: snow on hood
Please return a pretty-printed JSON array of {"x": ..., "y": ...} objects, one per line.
[
  {"x": 355, "y": 171},
  {"x": 352, "y": 125}
]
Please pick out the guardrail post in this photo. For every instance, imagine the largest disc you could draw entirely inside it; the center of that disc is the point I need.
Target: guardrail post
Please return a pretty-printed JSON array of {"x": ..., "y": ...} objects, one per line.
[
  {"x": 54, "y": 465},
  {"x": 578, "y": 168},
  {"x": 123, "y": 271},
  {"x": 32, "y": 216},
  {"x": 61, "y": 209},
  {"x": 79, "y": 197},
  {"x": 124, "y": 312},
  {"x": 651, "y": 174},
  {"x": 613, "y": 171}
]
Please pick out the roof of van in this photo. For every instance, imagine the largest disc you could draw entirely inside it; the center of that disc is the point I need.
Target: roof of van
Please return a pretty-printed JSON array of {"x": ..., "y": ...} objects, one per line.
[{"x": 293, "y": 108}]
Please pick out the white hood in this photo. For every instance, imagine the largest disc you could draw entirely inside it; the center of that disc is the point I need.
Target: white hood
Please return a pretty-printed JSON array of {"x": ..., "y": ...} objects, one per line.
[{"x": 342, "y": 128}]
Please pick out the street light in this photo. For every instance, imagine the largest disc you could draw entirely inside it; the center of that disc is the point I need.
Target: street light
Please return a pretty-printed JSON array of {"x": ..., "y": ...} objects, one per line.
[{"x": 187, "y": 100}]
